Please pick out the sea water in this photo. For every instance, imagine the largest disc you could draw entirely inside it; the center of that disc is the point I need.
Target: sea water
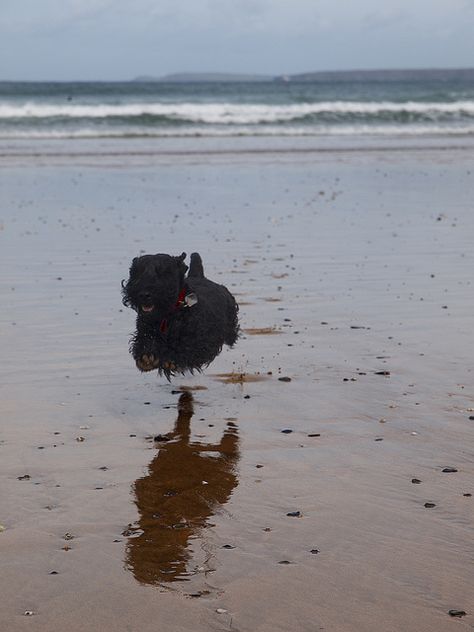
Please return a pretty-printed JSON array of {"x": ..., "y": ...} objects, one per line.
[{"x": 133, "y": 110}]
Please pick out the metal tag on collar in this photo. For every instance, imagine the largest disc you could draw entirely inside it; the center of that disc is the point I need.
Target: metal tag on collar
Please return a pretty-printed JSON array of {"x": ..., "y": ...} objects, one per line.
[{"x": 190, "y": 299}]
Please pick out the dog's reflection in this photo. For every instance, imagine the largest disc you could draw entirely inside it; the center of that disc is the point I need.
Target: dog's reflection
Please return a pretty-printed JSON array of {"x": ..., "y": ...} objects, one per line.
[{"x": 186, "y": 484}]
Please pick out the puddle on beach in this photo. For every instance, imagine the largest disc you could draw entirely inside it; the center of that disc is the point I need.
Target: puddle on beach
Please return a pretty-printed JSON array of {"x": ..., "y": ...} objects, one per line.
[
  {"x": 186, "y": 484},
  {"x": 262, "y": 331},
  {"x": 239, "y": 378}
]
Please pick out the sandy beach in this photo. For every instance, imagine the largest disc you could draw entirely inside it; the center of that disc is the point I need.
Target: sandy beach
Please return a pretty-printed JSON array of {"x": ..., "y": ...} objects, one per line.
[{"x": 315, "y": 452}]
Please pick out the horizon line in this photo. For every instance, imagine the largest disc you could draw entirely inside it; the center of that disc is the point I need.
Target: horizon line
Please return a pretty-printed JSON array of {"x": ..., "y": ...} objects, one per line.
[{"x": 249, "y": 74}]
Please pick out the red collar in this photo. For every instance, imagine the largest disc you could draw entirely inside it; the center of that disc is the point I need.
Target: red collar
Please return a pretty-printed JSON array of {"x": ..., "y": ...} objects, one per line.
[
  {"x": 180, "y": 300},
  {"x": 179, "y": 303}
]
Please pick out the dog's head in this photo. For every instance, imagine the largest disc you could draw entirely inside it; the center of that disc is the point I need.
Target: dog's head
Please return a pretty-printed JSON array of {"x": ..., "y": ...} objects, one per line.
[{"x": 154, "y": 284}]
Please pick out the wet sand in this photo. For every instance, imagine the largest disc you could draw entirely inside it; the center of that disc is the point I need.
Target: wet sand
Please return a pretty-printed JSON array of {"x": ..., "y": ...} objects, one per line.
[{"x": 132, "y": 504}]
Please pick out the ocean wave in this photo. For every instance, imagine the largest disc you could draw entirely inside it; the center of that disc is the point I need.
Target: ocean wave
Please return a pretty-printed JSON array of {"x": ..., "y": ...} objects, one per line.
[
  {"x": 209, "y": 131},
  {"x": 239, "y": 114}
]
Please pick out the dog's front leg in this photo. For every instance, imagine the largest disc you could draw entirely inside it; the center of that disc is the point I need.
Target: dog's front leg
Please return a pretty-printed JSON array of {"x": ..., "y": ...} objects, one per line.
[{"x": 143, "y": 348}]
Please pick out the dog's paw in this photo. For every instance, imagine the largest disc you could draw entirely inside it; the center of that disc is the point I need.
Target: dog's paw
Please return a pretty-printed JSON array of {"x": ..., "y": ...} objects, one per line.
[
  {"x": 169, "y": 366},
  {"x": 147, "y": 362}
]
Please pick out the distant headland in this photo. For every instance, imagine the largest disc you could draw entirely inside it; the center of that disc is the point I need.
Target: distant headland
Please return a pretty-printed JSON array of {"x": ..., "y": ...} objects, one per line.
[{"x": 421, "y": 74}]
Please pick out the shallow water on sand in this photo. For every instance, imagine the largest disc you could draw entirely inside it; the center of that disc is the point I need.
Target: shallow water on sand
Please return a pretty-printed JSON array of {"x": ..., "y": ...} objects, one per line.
[{"x": 367, "y": 260}]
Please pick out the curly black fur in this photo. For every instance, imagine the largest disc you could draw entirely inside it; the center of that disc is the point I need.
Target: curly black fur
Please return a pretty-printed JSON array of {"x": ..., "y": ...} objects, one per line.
[{"x": 171, "y": 336}]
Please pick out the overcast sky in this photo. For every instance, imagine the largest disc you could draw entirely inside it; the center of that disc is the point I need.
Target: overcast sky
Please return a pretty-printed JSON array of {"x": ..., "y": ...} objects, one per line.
[{"x": 120, "y": 39}]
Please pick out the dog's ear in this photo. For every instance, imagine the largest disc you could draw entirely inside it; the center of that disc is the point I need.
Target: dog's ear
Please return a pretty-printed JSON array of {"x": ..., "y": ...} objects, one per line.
[
  {"x": 133, "y": 265},
  {"x": 126, "y": 285},
  {"x": 182, "y": 267}
]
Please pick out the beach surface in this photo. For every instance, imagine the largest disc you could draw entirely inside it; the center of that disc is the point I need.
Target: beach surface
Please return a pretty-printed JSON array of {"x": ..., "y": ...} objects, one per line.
[{"x": 319, "y": 475}]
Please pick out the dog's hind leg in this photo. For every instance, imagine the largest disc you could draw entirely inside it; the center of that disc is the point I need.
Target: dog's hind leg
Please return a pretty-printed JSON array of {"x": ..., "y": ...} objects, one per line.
[{"x": 196, "y": 269}]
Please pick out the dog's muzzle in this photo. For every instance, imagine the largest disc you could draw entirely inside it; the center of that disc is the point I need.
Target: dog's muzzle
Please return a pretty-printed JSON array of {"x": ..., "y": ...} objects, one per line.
[{"x": 145, "y": 301}]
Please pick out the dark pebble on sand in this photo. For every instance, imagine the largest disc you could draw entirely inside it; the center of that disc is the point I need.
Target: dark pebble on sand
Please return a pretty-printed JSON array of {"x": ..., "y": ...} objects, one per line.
[
  {"x": 25, "y": 477},
  {"x": 53, "y": 572},
  {"x": 228, "y": 546},
  {"x": 314, "y": 434},
  {"x": 284, "y": 562},
  {"x": 314, "y": 551},
  {"x": 146, "y": 403},
  {"x": 382, "y": 372},
  {"x": 471, "y": 417},
  {"x": 246, "y": 396},
  {"x": 132, "y": 435},
  {"x": 287, "y": 430},
  {"x": 379, "y": 439},
  {"x": 284, "y": 379},
  {"x": 294, "y": 514},
  {"x": 457, "y": 613},
  {"x": 449, "y": 470},
  {"x": 416, "y": 481},
  {"x": 468, "y": 495},
  {"x": 430, "y": 505}
]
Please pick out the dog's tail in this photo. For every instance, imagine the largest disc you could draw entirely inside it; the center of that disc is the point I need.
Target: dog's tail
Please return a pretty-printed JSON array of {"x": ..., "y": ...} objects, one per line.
[{"x": 195, "y": 267}]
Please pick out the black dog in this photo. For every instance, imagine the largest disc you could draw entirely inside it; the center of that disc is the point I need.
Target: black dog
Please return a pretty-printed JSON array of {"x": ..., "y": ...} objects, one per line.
[{"x": 182, "y": 322}]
